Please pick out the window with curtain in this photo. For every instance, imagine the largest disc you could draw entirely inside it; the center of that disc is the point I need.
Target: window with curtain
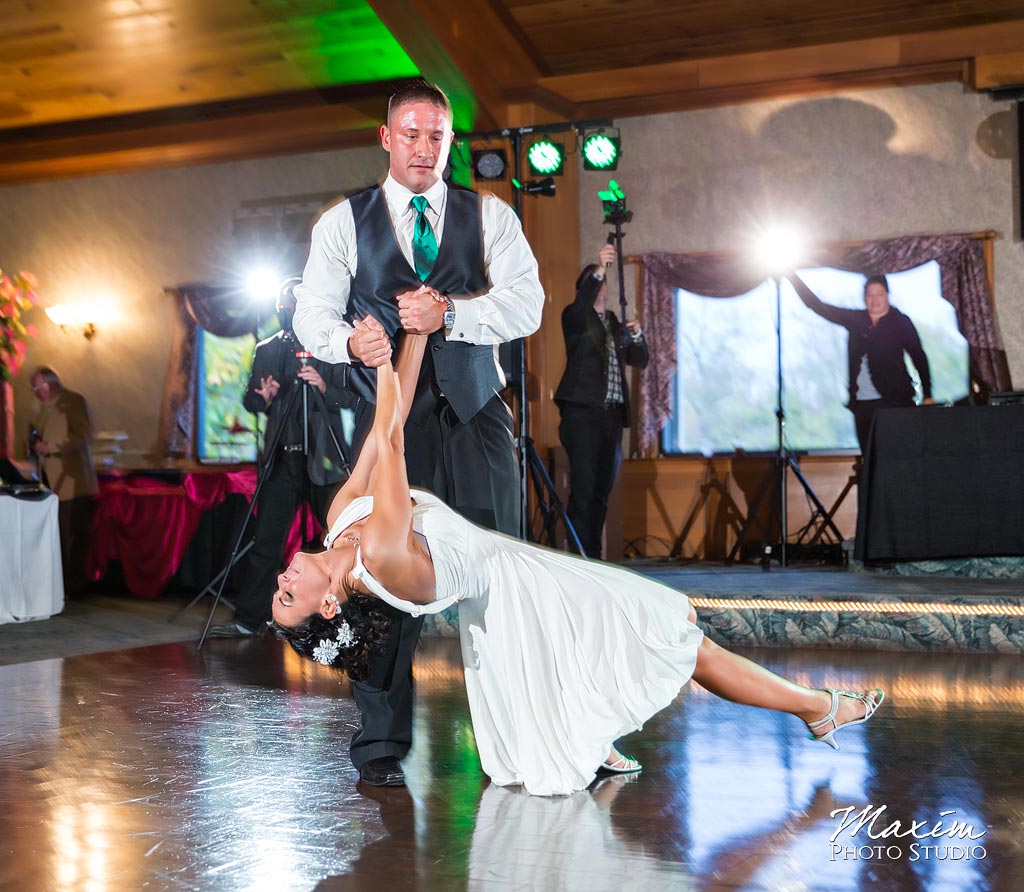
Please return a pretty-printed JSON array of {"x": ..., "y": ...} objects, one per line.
[
  {"x": 209, "y": 370},
  {"x": 725, "y": 386}
]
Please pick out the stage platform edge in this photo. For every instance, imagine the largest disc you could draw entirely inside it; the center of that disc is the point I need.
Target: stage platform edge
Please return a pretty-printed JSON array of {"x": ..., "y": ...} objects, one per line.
[{"x": 838, "y": 608}]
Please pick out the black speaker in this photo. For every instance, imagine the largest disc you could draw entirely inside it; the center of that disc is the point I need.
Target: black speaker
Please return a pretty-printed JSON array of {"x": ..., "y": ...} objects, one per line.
[{"x": 1007, "y": 398}]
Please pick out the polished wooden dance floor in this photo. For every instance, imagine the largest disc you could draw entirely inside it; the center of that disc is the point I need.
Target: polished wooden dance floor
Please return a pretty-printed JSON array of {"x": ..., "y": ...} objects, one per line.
[{"x": 163, "y": 768}]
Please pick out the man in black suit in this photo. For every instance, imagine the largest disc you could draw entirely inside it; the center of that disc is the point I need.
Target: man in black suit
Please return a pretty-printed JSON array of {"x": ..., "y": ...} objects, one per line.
[
  {"x": 594, "y": 399},
  {"x": 425, "y": 257},
  {"x": 291, "y": 476}
]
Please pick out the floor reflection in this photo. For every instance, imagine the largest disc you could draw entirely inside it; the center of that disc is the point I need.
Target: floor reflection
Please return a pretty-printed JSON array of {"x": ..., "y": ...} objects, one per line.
[{"x": 161, "y": 768}]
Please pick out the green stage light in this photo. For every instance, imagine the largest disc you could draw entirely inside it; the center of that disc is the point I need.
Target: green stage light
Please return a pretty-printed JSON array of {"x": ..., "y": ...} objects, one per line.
[
  {"x": 546, "y": 158},
  {"x": 601, "y": 151}
]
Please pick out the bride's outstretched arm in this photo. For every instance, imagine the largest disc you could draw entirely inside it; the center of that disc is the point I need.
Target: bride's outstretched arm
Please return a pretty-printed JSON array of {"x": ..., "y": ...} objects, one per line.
[
  {"x": 390, "y": 550},
  {"x": 407, "y": 371},
  {"x": 360, "y": 481}
]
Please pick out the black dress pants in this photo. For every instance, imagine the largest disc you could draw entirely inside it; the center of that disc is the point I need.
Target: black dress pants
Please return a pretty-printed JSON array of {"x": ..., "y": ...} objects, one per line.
[
  {"x": 473, "y": 467},
  {"x": 592, "y": 437},
  {"x": 74, "y": 520},
  {"x": 282, "y": 491}
]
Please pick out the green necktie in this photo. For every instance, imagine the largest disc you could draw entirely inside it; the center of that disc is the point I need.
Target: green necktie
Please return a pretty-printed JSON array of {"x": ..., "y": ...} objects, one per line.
[{"x": 424, "y": 245}]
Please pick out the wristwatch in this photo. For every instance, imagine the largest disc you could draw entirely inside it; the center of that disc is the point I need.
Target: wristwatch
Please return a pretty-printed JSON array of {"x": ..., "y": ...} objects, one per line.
[{"x": 449, "y": 312}]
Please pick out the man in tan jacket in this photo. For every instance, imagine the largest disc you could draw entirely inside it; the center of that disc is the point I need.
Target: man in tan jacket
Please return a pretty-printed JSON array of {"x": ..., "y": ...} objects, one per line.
[{"x": 62, "y": 443}]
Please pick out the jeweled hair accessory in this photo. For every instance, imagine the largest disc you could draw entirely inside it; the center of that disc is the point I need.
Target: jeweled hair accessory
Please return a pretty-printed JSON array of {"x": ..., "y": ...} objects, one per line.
[
  {"x": 346, "y": 637},
  {"x": 327, "y": 651}
]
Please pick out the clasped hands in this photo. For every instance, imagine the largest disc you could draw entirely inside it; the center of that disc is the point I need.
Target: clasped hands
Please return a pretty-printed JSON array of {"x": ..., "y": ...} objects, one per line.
[{"x": 421, "y": 311}]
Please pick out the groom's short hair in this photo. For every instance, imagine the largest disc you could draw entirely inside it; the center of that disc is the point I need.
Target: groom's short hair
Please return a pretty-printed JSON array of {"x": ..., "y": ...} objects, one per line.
[{"x": 418, "y": 91}]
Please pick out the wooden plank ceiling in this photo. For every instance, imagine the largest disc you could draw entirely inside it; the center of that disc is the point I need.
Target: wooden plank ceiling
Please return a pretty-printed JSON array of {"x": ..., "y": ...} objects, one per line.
[{"x": 90, "y": 86}]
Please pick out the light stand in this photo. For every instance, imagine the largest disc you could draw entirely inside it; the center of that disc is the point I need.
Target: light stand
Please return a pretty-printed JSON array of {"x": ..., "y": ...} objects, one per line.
[
  {"x": 784, "y": 461},
  {"x": 530, "y": 465},
  {"x": 614, "y": 203},
  {"x": 531, "y": 468}
]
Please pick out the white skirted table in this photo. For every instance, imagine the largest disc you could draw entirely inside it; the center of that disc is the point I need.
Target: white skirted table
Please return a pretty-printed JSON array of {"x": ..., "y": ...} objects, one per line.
[{"x": 31, "y": 584}]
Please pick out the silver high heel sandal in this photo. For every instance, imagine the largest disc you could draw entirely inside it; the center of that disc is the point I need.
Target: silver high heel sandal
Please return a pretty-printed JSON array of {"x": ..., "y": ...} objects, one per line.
[
  {"x": 871, "y": 699},
  {"x": 622, "y": 765}
]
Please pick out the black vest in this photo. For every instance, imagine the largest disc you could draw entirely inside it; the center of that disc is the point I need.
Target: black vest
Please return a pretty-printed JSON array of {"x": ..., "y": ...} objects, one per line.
[{"x": 467, "y": 374}]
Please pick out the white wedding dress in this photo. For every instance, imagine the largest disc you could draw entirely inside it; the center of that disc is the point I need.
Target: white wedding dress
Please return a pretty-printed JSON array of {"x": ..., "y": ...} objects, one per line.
[{"x": 562, "y": 655}]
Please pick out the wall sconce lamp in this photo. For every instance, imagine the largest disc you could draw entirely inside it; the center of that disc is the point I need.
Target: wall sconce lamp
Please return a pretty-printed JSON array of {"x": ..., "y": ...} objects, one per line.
[{"x": 69, "y": 319}]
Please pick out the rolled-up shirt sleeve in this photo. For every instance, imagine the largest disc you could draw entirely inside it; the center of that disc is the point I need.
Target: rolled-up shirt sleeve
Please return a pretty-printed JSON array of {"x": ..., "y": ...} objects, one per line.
[
  {"x": 513, "y": 306},
  {"x": 321, "y": 298}
]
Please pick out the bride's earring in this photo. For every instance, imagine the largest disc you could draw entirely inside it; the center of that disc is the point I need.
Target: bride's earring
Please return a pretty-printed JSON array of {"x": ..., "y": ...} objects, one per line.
[{"x": 335, "y": 601}]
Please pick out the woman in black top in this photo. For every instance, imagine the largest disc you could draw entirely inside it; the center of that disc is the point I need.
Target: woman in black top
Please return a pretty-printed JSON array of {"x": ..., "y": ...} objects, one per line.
[{"x": 879, "y": 335}]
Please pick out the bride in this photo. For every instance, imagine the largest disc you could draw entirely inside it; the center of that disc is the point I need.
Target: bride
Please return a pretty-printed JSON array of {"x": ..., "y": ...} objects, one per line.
[{"x": 562, "y": 655}]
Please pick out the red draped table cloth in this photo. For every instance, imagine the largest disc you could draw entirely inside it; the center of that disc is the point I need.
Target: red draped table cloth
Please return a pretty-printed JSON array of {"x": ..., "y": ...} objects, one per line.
[{"x": 147, "y": 524}]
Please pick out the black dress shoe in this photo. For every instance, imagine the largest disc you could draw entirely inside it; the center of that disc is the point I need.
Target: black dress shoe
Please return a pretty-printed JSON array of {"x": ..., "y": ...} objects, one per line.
[
  {"x": 382, "y": 772},
  {"x": 231, "y": 630}
]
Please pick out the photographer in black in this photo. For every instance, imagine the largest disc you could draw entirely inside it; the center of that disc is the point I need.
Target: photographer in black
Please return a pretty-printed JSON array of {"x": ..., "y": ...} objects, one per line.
[
  {"x": 593, "y": 397},
  {"x": 292, "y": 475}
]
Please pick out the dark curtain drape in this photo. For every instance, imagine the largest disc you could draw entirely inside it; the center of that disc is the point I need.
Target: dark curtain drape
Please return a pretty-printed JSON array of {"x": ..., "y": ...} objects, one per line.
[
  {"x": 964, "y": 284},
  {"x": 226, "y": 312}
]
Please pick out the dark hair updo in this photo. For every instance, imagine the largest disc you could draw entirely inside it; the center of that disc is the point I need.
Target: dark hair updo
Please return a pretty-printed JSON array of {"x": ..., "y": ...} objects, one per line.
[{"x": 370, "y": 621}]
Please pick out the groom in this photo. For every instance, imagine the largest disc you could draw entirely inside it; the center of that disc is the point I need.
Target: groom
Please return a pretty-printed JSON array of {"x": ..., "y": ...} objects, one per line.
[{"x": 426, "y": 258}]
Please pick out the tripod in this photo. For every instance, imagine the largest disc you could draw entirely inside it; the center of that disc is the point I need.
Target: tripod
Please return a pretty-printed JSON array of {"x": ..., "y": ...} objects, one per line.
[
  {"x": 784, "y": 461},
  {"x": 299, "y": 387},
  {"x": 532, "y": 469}
]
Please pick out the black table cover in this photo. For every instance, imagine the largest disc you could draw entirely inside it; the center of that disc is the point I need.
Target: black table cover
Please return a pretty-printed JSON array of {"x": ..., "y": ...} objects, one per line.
[{"x": 942, "y": 482}]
